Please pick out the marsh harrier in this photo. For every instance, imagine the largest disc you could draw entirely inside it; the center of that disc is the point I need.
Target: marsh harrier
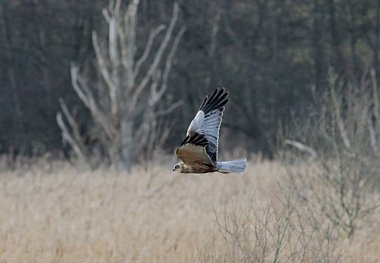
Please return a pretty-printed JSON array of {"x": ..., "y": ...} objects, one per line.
[{"x": 199, "y": 150}]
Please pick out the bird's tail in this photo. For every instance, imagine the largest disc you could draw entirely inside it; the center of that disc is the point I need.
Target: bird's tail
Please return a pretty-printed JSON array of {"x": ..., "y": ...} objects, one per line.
[{"x": 234, "y": 166}]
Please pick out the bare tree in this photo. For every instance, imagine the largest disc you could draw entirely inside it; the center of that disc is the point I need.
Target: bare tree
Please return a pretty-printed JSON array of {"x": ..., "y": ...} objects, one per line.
[
  {"x": 343, "y": 178},
  {"x": 125, "y": 105}
]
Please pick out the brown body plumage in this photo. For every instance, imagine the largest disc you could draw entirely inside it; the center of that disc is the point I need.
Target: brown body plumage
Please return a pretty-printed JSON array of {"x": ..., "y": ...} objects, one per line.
[{"x": 197, "y": 168}]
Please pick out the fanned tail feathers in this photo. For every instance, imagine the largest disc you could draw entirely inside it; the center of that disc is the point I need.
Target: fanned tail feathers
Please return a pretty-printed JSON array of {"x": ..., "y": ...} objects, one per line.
[{"x": 234, "y": 166}]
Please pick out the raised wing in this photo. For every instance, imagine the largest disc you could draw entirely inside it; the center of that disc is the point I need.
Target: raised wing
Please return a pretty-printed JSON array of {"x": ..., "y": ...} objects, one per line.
[
  {"x": 207, "y": 121},
  {"x": 192, "y": 150}
]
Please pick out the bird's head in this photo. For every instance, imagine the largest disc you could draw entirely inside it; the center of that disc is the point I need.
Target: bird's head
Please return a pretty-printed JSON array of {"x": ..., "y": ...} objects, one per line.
[{"x": 178, "y": 167}]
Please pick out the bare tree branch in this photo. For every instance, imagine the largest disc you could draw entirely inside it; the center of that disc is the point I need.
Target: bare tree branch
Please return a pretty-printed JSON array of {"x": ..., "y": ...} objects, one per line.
[
  {"x": 113, "y": 25},
  {"x": 157, "y": 96},
  {"x": 68, "y": 138},
  {"x": 158, "y": 56},
  {"x": 73, "y": 124},
  {"x": 336, "y": 105},
  {"x": 88, "y": 99},
  {"x": 372, "y": 136},
  {"x": 302, "y": 147},
  {"x": 128, "y": 51},
  {"x": 214, "y": 33},
  {"x": 148, "y": 48},
  {"x": 171, "y": 108},
  {"x": 106, "y": 75},
  {"x": 372, "y": 123},
  {"x": 375, "y": 95}
]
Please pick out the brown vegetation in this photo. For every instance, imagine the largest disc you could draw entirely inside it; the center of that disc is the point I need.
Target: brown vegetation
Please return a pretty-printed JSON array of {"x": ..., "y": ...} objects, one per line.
[{"x": 52, "y": 212}]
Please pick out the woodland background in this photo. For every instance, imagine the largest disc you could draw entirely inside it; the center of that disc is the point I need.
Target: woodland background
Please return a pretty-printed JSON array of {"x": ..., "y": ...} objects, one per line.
[{"x": 273, "y": 56}]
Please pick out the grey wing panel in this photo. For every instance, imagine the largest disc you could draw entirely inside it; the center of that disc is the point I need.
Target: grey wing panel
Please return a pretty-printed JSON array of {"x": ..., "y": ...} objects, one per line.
[{"x": 208, "y": 119}]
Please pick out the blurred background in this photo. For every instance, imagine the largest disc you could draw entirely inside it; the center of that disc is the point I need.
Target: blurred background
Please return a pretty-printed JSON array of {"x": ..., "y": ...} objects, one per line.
[
  {"x": 92, "y": 86},
  {"x": 276, "y": 58}
]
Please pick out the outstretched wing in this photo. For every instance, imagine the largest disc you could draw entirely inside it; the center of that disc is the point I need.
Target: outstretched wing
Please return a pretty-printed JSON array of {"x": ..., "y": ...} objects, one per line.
[
  {"x": 207, "y": 121},
  {"x": 193, "y": 150}
]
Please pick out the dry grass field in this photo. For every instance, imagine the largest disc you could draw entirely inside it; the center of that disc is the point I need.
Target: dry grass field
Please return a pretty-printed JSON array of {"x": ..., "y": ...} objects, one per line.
[{"x": 53, "y": 212}]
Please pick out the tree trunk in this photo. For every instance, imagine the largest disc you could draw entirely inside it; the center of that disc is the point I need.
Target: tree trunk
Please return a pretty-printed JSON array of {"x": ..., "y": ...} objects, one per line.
[{"x": 125, "y": 145}]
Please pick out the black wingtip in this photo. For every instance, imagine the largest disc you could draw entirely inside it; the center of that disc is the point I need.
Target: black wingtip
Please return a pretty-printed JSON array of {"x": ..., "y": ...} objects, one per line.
[
  {"x": 217, "y": 100},
  {"x": 196, "y": 139}
]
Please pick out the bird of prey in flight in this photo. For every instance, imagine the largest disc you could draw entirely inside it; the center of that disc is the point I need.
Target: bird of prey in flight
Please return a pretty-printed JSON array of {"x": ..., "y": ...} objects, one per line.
[{"x": 199, "y": 150}]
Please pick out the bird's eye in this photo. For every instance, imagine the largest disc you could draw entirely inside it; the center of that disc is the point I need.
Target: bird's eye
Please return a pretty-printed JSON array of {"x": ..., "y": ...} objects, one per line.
[{"x": 176, "y": 166}]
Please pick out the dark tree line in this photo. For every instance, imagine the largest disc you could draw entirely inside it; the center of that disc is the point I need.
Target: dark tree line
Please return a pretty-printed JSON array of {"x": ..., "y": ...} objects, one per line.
[{"x": 273, "y": 57}]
